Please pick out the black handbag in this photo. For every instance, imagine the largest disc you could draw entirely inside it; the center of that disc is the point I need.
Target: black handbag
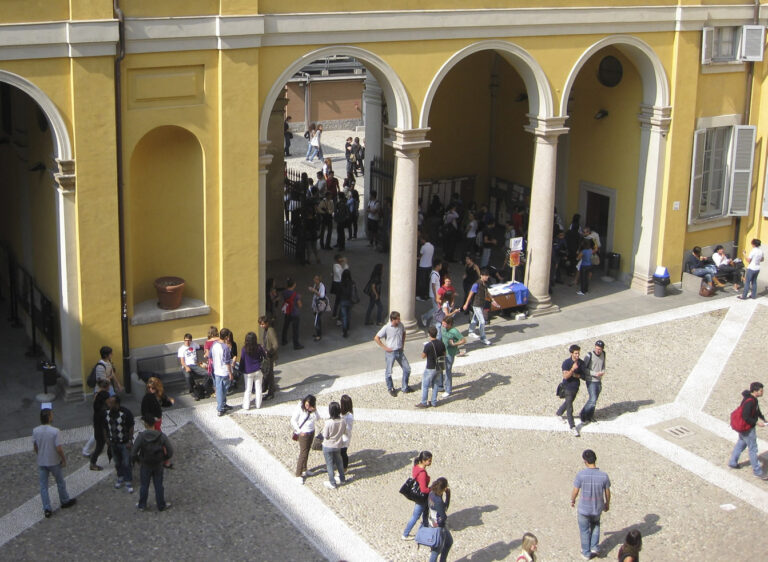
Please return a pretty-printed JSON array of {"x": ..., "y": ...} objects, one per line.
[
  {"x": 411, "y": 490},
  {"x": 560, "y": 389}
]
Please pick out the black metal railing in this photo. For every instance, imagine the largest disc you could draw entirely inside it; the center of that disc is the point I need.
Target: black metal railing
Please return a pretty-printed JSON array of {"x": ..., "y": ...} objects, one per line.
[
  {"x": 27, "y": 304},
  {"x": 382, "y": 178}
]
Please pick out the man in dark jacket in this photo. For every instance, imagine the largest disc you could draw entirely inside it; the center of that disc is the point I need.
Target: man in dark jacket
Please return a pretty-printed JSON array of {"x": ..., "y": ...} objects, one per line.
[
  {"x": 751, "y": 414},
  {"x": 151, "y": 449}
]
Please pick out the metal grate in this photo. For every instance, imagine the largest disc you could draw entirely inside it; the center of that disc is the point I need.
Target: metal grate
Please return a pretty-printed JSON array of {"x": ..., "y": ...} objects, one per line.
[{"x": 679, "y": 431}]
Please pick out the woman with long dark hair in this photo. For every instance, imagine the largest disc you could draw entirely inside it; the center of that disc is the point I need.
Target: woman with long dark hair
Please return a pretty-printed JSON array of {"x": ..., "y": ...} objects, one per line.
[
  {"x": 438, "y": 517},
  {"x": 630, "y": 550},
  {"x": 347, "y": 415},
  {"x": 374, "y": 287},
  {"x": 333, "y": 435},
  {"x": 419, "y": 473},
  {"x": 250, "y": 365}
]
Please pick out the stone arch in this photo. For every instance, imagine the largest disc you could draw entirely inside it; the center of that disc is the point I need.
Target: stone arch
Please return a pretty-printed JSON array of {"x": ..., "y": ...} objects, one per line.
[
  {"x": 393, "y": 88},
  {"x": 66, "y": 223},
  {"x": 540, "y": 101},
  {"x": 655, "y": 83}
]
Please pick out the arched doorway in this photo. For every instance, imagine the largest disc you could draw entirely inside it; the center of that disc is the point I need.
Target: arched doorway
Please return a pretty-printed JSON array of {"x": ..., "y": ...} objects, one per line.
[
  {"x": 511, "y": 94},
  {"x": 612, "y": 165},
  {"x": 384, "y": 103},
  {"x": 37, "y": 155}
]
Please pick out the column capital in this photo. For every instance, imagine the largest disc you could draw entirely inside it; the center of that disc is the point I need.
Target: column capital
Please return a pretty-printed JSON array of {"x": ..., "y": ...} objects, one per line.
[
  {"x": 655, "y": 117},
  {"x": 407, "y": 142},
  {"x": 546, "y": 127},
  {"x": 65, "y": 177}
]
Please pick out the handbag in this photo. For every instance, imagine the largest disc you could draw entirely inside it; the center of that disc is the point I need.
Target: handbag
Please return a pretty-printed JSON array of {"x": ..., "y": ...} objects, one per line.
[
  {"x": 354, "y": 297},
  {"x": 595, "y": 259},
  {"x": 411, "y": 490},
  {"x": 560, "y": 392},
  {"x": 317, "y": 442},
  {"x": 706, "y": 290},
  {"x": 430, "y": 537}
]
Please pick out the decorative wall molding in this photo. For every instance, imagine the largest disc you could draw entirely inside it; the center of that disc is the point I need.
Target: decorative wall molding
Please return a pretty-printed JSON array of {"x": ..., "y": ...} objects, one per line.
[{"x": 169, "y": 34}]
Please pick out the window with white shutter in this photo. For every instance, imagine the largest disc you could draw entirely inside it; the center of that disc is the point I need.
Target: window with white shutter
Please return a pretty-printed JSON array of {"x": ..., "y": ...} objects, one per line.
[
  {"x": 721, "y": 172},
  {"x": 752, "y": 43},
  {"x": 742, "y": 156}
]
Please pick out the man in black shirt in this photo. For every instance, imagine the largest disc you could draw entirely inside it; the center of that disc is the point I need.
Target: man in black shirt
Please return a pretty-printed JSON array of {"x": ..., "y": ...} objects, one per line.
[
  {"x": 573, "y": 371},
  {"x": 433, "y": 351}
]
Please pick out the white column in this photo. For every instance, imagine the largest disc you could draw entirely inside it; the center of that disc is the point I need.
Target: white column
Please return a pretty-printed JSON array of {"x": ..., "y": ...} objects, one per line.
[
  {"x": 71, "y": 365},
  {"x": 541, "y": 218},
  {"x": 265, "y": 159},
  {"x": 654, "y": 123},
  {"x": 373, "y": 130},
  {"x": 402, "y": 267}
]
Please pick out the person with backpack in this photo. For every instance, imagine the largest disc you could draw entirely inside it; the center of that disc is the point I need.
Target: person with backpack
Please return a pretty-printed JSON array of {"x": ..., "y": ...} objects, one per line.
[
  {"x": 250, "y": 364},
  {"x": 291, "y": 310},
  {"x": 105, "y": 369},
  {"x": 594, "y": 370},
  {"x": 151, "y": 449},
  {"x": 743, "y": 420}
]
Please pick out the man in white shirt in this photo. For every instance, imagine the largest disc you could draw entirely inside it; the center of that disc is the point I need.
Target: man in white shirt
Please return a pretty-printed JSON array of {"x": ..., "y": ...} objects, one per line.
[
  {"x": 222, "y": 371},
  {"x": 428, "y": 318},
  {"x": 754, "y": 259},
  {"x": 426, "y": 255},
  {"x": 393, "y": 342},
  {"x": 50, "y": 460},
  {"x": 187, "y": 355}
]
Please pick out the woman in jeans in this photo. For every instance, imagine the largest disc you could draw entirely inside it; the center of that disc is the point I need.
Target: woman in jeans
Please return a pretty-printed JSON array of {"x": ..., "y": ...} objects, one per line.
[
  {"x": 303, "y": 424},
  {"x": 333, "y": 440},
  {"x": 419, "y": 473},
  {"x": 349, "y": 418},
  {"x": 437, "y": 517},
  {"x": 250, "y": 364},
  {"x": 374, "y": 295}
]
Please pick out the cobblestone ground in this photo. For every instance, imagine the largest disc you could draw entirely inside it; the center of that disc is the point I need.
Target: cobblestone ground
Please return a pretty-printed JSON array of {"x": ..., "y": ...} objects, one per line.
[{"x": 662, "y": 435}]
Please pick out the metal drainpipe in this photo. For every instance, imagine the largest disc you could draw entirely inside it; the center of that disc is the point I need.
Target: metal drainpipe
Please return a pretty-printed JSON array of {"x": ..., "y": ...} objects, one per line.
[
  {"x": 120, "y": 193},
  {"x": 747, "y": 116}
]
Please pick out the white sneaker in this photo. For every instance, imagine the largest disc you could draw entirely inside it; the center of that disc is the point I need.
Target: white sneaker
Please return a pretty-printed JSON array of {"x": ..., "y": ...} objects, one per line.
[
  {"x": 300, "y": 479},
  {"x": 575, "y": 432},
  {"x": 579, "y": 293},
  {"x": 405, "y": 538},
  {"x": 472, "y": 335},
  {"x": 486, "y": 342},
  {"x": 329, "y": 485},
  {"x": 118, "y": 484},
  {"x": 129, "y": 488}
]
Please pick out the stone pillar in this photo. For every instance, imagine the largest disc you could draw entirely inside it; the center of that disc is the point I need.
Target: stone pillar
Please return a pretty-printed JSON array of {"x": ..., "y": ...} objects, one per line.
[
  {"x": 373, "y": 131},
  {"x": 402, "y": 268},
  {"x": 275, "y": 186},
  {"x": 654, "y": 124},
  {"x": 70, "y": 366},
  {"x": 541, "y": 220},
  {"x": 265, "y": 160}
]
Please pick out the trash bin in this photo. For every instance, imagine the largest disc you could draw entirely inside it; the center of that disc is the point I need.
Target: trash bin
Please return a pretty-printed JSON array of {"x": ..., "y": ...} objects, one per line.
[
  {"x": 50, "y": 374},
  {"x": 660, "y": 282},
  {"x": 614, "y": 261}
]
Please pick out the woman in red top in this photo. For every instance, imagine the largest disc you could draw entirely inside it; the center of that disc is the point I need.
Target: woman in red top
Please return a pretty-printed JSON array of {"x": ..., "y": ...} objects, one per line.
[{"x": 419, "y": 474}]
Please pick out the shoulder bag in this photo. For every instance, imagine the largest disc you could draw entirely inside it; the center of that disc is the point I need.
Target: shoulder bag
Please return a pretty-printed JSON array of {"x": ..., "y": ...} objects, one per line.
[
  {"x": 295, "y": 435},
  {"x": 411, "y": 490},
  {"x": 430, "y": 537}
]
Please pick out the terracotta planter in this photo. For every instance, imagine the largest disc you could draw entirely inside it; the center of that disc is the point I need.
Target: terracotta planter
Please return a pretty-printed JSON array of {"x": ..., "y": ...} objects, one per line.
[{"x": 170, "y": 291}]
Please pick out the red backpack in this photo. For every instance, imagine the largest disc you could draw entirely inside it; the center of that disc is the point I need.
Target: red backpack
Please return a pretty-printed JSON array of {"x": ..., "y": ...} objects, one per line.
[{"x": 737, "y": 420}]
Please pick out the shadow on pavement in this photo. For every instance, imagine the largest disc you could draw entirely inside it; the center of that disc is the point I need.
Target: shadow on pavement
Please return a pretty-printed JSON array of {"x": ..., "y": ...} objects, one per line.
[
  {"x": 496, "y": 551},
  {"x": 613, "y": 411},
  {"x": 613, "y": 539},
  {"x": 469, "y": 517},
  {"x": 476, "y": 389},
  {"x": 369, "y": 463}
]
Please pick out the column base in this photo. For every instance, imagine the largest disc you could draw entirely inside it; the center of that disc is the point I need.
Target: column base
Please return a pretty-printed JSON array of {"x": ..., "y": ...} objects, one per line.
[
  {"x": 642, "y": 284},
  {"x": 71, "y": 392},
  {"x": 541, "y": 307},
  {"x": 411, "y": 326}
]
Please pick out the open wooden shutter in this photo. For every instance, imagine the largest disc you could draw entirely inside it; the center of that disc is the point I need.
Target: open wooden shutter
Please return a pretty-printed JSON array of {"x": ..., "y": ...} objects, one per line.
[
  {"x": 742, "y": 159},
  {"x": 752, "y": 43},
  {"x": 707, "y": 44},
  {"x": 697, "y": 173}
]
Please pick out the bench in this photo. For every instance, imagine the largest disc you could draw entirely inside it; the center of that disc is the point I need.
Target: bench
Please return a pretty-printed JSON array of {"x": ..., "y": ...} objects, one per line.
[{"x": 165, "y": 367}]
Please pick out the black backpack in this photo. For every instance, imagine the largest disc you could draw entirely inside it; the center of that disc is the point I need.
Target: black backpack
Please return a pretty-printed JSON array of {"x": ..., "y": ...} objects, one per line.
[
  {"x": 91, "y": 380},
  {"x": 152, "y": 452}
]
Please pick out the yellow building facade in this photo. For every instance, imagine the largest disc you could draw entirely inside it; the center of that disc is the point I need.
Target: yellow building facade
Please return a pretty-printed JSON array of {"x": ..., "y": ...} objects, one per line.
[{"x": 142, "y": 138}]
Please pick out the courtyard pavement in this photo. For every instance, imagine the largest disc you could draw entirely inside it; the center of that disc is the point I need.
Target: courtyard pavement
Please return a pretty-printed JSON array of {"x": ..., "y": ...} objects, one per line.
[{"x": 675, "y": 370}]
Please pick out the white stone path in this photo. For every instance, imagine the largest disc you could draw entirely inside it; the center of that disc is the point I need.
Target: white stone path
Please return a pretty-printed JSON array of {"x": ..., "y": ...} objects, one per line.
[{"x": 336, "y": 540}]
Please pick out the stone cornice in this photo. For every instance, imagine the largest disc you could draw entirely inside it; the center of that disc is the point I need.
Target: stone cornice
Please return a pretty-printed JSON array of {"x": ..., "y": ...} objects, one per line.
[
  {"x": 407, "y": 141},
  {"x": 170, "y": 34},
  {"x": 550, "y": 128}
]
